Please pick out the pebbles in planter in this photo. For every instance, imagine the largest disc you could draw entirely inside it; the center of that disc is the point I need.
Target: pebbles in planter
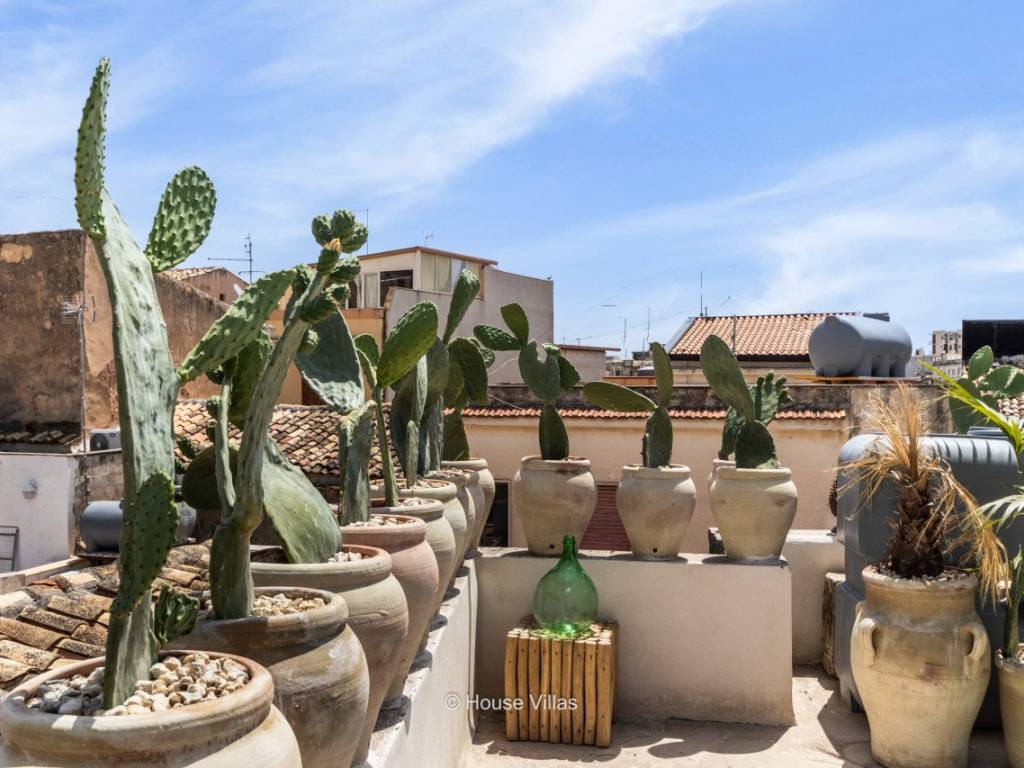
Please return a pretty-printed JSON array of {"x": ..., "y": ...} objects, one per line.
[
  {"x": 345, "y": 557},
  {"x": 377, "y": 521},
  {"x": 175, "y": 681},
  {"x": 282, "y": 605}
]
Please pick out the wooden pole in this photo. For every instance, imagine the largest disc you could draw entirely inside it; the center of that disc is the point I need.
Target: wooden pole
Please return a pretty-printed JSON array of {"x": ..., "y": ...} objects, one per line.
[
  {"x": 511, "y": 652},
  {"x": 555, "y": 728},
  {"x": 603, "y": 735},
  {"x": 566, "y": 690},
  {"x": 531, "y": 699},
  {"x": 590, "y": 692},
  {"x": 522, "y": 686},
  {"x": 545, "y": 686},
  {"x": 579, "y": 653}
]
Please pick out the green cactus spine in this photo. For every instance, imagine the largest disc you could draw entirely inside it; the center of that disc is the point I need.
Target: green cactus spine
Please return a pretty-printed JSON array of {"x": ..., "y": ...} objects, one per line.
[
  {"x": 751, "y": 408},
  {"x": 546, "y": 378},
  {"x": 147, "y": 390}
]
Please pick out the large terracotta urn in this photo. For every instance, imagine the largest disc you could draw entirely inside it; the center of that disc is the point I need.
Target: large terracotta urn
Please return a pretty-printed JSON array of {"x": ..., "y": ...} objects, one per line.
[
  {"x": 243, "y": 728},
  {"x": 377, "y": 613},
  {"x": 445, "y": 492},
  {"x": 553, "y": 499},
  {"x": 655, "y": 505},
  {"x": 321, "y": 683},
  {"x": 481, "y": 487},
  {"x": 921, "y": 661},
  {"x": 753, "y": 509},
  {"x": 414, "y": 565},
  {"x": 1011, "y": 706},
  {"x": 461, "y": 479},
  {"x": 715, "y": 464}
]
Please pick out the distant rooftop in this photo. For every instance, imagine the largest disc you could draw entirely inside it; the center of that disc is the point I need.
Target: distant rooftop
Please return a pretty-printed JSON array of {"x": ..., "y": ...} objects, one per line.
[
  {"x": 753, "y": 337},
  {"x": 187, "y": 273},
  {"x": 425, "y": 249}
]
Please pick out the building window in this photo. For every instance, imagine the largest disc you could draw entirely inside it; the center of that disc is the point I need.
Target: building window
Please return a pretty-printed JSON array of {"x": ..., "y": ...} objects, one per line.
[
  {"x": 496, "y": 529},
  {"x": 220, "y": 296},
  {"x": 396, "y": 278}
]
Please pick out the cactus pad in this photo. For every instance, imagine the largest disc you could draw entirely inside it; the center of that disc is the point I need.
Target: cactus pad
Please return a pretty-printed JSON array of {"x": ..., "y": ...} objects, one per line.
[
  {"x": 471, "y": 368},
  {"x": 456, "y": 445},
  {"x": 355, "y": 443},
  {"x": 182, "y": 220},
  {"x": 466, "y": 289},
  {"x": 247, "y": 369},
  {"x": 725, "y": 376},
  {"x": 657, "y": 443},
  {"x": 662, "y": 373},
  {"x": 406, "y": 414},
  {"x": 544, "y": 378},
  {"x": 332, "y": 367},
  {"x": 496, "y": 339},
  {"x": 238, "y": 327},
  {"x": 89, "y": 155},
  {"x": 615, "y": 397},
  {"x": 568, "y": 376},
  {"x": 515, "y": 319},
  {"x": 174, "y": 615},
  {"x": 554, "y": 440},
  {"x": 408, "y": 341},
  {"x": 754, "y": 446}
]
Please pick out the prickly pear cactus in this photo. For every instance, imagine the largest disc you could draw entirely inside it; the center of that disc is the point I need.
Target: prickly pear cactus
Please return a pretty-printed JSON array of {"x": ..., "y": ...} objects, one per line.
[
  {"x": 988, "y": 383},
  {"x": 546, "y": 378},
  {"x": 406, "y": 414},
  {"x": 147, "y": 388},
  {"x": 750, "y": 408},
  {"x": 174, "y": 615}
]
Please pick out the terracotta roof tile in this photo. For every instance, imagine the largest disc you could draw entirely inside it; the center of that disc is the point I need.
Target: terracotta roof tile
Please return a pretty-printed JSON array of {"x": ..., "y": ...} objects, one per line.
[
  {"x": 28, "y": 634},
  {"x": 782, "y": 337},
  {"x": 1013, "y": 407},
  {"x": 675, "y": 413},
  {"x": 186, "y": 273},
  {"x": 307, "y": 434},
  {"x": 24, "y": 435}
]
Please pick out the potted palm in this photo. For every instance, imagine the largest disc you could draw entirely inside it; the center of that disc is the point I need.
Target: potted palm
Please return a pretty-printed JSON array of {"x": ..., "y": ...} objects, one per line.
[
  {"x": 554, "y": 494},
  {"x": 754, "y": 502},
  {"x": 655, "y": 499},
  {"x": 919, "y": 652},
  {"x": 67, "y": 716}
]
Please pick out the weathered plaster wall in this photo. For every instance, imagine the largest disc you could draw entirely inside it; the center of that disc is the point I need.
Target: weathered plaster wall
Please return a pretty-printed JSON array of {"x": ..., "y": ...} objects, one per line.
[
  {"x": 40, "y": 377},
  {"x": 45, "y": 516}
]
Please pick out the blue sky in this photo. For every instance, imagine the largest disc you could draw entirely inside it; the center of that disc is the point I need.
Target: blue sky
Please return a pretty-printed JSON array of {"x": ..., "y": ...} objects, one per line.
[{"x": 801, "y": 154}]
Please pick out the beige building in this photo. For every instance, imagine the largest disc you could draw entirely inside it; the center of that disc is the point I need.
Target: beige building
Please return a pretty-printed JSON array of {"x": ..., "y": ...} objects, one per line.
[
  {"x": 216, "y": 282},
  {"x": 947, "y": 345},
  {"x": 590, "y": 362}
]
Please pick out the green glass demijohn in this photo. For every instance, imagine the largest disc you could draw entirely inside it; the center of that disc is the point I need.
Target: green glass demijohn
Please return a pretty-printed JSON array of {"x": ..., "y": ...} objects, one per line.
[{"x": 565, "y": 601}]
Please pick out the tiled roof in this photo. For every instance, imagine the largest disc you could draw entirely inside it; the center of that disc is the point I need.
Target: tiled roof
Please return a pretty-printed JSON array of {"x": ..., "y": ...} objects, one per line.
[
  {"x": 758, "y": 337},
  {"x": 186, "y": 273},
  {"x": 790, "y": 414},
  {"x": 307, "y": 434},
  {"x": 52, "y": 437},
  {"x": 55, "y": 621},
  {"x": 1013, "y": 407}
]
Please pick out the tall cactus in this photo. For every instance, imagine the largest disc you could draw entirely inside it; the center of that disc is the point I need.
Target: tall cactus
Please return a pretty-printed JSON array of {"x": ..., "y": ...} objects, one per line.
[
  {"x": 147, "y": 387},
  {"x": 656, "y": 450},
  {"x": 546, "y": 378},
  {"x": 989, "y": 383},
  {"x": 265, "y": 480},
  {"x": 406, "y": 344},
  {"x": 751, "y": 408}
]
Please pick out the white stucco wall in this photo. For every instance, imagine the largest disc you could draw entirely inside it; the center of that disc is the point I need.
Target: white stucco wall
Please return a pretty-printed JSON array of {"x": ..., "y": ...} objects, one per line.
[
  {"x": 45, "y": 521},
  {"x": 700, "y": 638}
]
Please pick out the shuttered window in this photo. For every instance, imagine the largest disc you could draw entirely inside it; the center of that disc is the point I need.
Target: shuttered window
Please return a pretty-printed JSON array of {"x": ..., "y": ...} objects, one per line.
[{"x": 605, "y": 530}]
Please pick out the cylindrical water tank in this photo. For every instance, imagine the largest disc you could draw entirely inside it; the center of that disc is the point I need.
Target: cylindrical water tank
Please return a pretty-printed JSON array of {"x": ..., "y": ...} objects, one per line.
[
  {"x": 859, "y": 346},
  {"x": 100, "y": 525}
]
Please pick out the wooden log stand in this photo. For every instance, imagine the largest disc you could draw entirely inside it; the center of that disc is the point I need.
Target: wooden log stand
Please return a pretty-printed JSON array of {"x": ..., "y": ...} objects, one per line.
[{"x": 566, "y": 687}]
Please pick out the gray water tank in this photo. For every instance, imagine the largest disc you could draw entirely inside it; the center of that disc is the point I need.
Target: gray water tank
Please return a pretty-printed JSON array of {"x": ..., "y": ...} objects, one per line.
[
  {"x": 859, "y": 346},
  {"x": 100, "y": 525},
  {"x": 984, "y": 462}
]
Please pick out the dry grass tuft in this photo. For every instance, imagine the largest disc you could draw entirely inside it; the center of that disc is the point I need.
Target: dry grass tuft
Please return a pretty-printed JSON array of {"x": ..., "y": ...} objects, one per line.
[{"x": 936, "y": 515}]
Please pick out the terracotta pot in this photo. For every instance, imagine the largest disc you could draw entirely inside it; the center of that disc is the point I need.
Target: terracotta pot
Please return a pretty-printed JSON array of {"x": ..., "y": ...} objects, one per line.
[
  {"x": 714, "y": 468},
  {"x": 446, "y": 492},
  {"x": 461, "y": 479},
  {"x": 754, "y": 509},
  {"x": 243, "y": 728},
  {"x": 552, "y": 499},
  {"x": 440, "y": 534},
  {"x": 377, "y": 613},
  {"x": 920, "y": 658},
  {"x": 441, "y": 541},
  {"x": 481, "y": 487},
  {"x": 656, "y": 504},
  {"x": 321, "y": 684},
  {"x": 414, "y": 565},
  {"x": 1011, "y": 706}
]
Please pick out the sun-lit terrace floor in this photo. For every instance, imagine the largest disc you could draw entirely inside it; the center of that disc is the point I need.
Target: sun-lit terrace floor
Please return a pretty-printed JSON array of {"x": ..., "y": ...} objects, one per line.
[{"x": 826, "y": 734}]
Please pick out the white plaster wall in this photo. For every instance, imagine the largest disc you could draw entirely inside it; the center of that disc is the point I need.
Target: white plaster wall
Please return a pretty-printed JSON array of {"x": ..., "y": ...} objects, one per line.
[
  {"x": 700, "y": 638},
  {"x": 45, "y": 521},
  {"x": 811, "y": 554}
]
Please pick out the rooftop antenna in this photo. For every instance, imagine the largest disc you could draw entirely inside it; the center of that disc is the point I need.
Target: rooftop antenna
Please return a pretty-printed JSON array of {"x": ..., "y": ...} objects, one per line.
[
  {"x": 366, "y": 223},
  {"x": 248, "y": 259},
  {"x": 427, "y": 236},
  {"x": 701, "y": 310}
]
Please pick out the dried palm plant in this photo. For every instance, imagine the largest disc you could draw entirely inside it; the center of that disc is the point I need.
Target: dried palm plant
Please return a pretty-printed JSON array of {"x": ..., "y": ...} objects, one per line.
[{"x": 936, "y": 516}]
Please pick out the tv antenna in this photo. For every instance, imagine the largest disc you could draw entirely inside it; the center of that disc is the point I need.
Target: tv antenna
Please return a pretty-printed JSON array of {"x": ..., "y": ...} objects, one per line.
[{"x": 247, "y": 258}]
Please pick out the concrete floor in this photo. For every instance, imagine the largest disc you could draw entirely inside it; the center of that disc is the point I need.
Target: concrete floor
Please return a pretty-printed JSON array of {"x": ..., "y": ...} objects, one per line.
[{"x": 826, "y": 734}]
